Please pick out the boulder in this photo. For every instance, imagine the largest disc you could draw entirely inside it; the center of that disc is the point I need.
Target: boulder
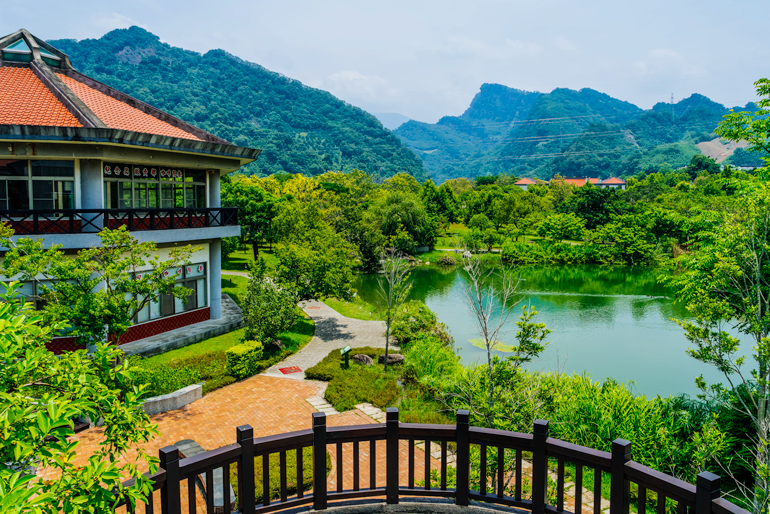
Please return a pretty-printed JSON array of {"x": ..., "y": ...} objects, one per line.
[
  {"x": 393, "y": 358},
  {"x": 360, "y": 358},
  {"x": 276, "y": 346}
]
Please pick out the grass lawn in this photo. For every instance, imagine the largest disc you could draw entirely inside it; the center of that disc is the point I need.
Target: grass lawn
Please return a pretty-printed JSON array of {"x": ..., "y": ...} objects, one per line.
[
  {"x": 240, "y": 260},
  {"x": 356, "y": 309},
  {"x": 235, "y": 286}
]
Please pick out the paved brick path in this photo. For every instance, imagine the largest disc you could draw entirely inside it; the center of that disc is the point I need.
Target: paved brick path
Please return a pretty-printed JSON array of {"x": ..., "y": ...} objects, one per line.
[{"x": 332, "y": 332}]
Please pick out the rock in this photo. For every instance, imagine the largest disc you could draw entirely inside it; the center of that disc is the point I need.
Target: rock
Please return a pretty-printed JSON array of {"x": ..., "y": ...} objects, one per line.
[
  {"x": 276, "y": 345},
  {"x": 467, "y": 254},
  {"x": 393, "y": 358},
  {"x": 360, "y": 358}
]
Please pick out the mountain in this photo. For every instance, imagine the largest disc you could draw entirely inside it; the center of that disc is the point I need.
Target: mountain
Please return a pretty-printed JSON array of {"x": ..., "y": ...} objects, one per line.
[
  {"x": 391, "y": 120},
  {"x": 299, "y": 129},
  {"x": 572, "y": 133}
]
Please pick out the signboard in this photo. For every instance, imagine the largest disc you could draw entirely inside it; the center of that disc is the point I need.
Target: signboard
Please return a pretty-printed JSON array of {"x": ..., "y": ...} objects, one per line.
[{"x": 345, "y": 350}]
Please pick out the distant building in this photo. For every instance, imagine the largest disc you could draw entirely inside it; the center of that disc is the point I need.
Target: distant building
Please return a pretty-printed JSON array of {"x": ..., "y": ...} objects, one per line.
[
  {"x": 610, "y": 183},
  {"x": 525, "y": 183},
  {"x": 613, "y": 183}
]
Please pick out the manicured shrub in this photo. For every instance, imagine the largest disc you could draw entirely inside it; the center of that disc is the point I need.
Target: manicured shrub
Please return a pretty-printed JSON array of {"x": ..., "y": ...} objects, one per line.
[
  {"x": 217, "y": 382},
  {"x": 167, "y": 380},
  {"x": 243, "y": 359},
  {"x": 331, "y": 365}
]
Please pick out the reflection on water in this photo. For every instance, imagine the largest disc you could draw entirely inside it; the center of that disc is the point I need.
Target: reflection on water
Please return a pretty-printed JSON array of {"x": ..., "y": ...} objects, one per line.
[{"x": 607, "y": 322}]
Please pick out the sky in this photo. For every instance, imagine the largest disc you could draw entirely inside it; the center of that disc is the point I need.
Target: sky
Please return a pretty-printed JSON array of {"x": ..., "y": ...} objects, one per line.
[{"x": 427, "y": 59}]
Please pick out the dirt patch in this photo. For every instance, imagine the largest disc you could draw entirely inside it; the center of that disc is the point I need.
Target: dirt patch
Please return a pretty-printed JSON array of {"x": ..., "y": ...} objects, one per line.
[{"x": 720, "y": 150}]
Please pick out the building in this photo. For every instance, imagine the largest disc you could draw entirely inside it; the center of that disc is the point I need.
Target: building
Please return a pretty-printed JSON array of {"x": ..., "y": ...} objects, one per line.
[
  {"x": 613, "y": 183},
  {"x": 77, "y": 155},
  {"x": 525, "y": 183}
]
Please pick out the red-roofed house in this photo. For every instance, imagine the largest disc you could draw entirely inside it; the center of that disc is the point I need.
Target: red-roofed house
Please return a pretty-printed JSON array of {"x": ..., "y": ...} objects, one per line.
[
  {"x": 77, "y": 155},
  {"x": 613, "y": 183},
  {"x": 525, "y": 183}
]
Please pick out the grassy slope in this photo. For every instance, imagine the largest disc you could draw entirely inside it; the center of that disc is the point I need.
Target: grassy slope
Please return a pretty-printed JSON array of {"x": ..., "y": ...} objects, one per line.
[{"x": 356, "y": 309}]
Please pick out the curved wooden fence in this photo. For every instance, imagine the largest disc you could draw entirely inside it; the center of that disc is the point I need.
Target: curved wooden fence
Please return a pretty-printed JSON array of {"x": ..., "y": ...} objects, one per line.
[{"x": 530, "y": 471}]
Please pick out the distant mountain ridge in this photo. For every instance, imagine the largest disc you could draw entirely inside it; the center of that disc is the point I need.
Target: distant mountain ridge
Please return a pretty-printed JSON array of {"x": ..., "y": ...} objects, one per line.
[
  {"x": 567, "y": 132},
  {"x": 299, "y": 129}
]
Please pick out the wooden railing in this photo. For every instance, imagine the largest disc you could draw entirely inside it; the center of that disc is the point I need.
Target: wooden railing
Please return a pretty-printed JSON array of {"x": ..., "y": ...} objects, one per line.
[
  {"x": 548, "y": 458},
  {"x": 76, "y": 221}
]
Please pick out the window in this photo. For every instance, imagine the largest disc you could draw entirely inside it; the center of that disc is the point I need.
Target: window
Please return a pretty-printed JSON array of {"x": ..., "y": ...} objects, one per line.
[
  {"x": 140, "y": 187},
  {"x": 192, "y": 277},
  {"x": 49, "y": 186}
]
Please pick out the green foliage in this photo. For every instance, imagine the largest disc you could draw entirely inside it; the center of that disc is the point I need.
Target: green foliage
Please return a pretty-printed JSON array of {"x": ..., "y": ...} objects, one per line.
[
  {"x": 431, "y": 363},
  {"x": 400, "y": 215},
  {"x": 268, "y": 310},
  {"x": 41, "y": 394},
  {"x": 167, "y": 380},
  {"x": 558, "y": 227},
  {"x": 349, "y": 387},
  {"x": 415, "y": 318},
  {"x": 299, "y": 129},
  {"x": 594, "y": 205},
  {"x": 480, "y": 222},
  {"x": 753, "y": 127},
  {"x": 98, "y": 290},
  {"x": 243, "y": 359}
]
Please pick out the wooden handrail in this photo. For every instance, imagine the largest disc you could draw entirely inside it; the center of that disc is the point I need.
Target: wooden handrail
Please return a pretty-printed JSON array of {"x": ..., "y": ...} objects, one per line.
[{"x": 500, "y": 461}]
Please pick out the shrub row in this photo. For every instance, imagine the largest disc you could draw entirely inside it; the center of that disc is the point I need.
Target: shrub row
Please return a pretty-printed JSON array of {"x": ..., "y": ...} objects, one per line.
[{"x": 243, "y": 359}]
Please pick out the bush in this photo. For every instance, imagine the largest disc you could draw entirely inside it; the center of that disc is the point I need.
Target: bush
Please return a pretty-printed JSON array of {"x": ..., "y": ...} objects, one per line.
[
  {"x": 167, "y": 380},
  {"x": 218, "y": 382},
  {"x": 447, "y": 259},
  {"x": 415, "y": 319},
  {"x": 430, "y": 363},
  {"x": 243, "y": 359},
  {"x": 267, "y": 310},
  {"x": 331, "y": 365}
]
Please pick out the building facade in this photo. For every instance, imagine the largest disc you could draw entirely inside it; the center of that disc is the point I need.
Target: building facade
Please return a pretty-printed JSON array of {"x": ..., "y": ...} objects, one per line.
[{"x": 77, "y": 156}]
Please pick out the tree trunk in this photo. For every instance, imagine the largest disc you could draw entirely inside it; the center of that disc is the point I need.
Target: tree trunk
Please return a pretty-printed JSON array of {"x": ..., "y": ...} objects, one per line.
[
  {"x": 489, "y": 365},
  {"x": 255, "y": 249},
  {"x": 387, "y": 343}
]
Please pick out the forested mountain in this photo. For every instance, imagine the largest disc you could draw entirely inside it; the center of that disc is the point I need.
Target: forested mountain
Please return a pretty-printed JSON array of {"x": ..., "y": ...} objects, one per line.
[
  {"x": 298, "y": 128},
  {"x": 566, "y": 132}
]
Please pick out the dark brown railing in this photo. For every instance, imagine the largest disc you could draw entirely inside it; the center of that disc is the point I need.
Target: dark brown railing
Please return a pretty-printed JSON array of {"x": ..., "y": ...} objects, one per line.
[
  {"x": 77, "y": 221},
  {"x": 671, "y": 495}
]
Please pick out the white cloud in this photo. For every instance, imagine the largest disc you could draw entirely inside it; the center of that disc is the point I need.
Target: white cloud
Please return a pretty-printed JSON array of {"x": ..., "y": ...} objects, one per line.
[{"x": 115, "y": 20}]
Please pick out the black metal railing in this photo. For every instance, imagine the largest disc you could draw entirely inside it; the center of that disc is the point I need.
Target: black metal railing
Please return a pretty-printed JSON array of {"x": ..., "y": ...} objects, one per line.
[
  {"x": 498, "y": 470},
  {"x": 77, "y": 221}
]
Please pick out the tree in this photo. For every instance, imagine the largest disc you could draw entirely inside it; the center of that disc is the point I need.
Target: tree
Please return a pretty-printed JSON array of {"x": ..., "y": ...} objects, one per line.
[
  {"x": 100, "y": 290},
  {"x": 398, "y": 211},
  {"x": 480, "y": 222},
  {"x": 558, "y": 227},
  {"x": 40, "y": 394},
  {"x": 753, "y": 127},
  {"x": 702, "y": 164},
  {"x": 727, "y": 284},
  {"x": 394, "y": 287},
  {"x": 628, "y": 240},
  {"x": 268, "y": 310},
  {"x": 256, "y": 210},
  {"x": 490, "y": 296},
  {"x": 594, "y": 205},
  {"x": 560, "y": 190}
]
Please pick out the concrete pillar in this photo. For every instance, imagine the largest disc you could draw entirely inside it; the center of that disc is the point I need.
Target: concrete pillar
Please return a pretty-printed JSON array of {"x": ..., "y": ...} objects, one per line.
[
  {"x": 92, "y": 194},
  {"x": 215, "y": 198},
  {"x": 215, "y": 278}
]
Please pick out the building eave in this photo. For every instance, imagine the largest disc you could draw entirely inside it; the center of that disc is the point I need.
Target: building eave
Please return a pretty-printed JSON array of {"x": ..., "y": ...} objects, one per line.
[{"x": 39, "y": 134}]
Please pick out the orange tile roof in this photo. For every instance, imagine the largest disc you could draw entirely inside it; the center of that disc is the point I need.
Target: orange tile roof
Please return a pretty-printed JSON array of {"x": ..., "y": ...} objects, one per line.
[
  {"x": 24, "y": 100},
  {"x": 118, "y": 115},
  {"x": 575, "y": 181},
  {"x": 525, "y": 182},
  {"x": 594, "y": 180},
  {"x": 613, "y": 180}
]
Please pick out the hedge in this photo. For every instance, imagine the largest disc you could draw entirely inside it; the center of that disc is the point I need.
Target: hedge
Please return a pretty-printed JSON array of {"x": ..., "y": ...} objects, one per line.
[{"x": 243, "y": 359}]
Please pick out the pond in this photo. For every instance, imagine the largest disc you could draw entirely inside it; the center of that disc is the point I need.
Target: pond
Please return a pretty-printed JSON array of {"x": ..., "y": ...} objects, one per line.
[{"x": 606, "y": 322}]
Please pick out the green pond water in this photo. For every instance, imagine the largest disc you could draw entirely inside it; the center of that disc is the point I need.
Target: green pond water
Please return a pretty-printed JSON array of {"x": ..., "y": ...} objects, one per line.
[{"x": 606, "y": 322}]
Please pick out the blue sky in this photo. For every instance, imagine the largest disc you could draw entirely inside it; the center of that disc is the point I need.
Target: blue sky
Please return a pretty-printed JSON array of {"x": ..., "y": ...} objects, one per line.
[{"x": 427, "y": 59}]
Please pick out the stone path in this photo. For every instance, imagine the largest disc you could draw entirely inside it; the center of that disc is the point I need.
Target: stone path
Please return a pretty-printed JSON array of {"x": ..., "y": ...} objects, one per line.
[
  {"x": 332, "y": 332},
  {"x": 236, "y": 273}
]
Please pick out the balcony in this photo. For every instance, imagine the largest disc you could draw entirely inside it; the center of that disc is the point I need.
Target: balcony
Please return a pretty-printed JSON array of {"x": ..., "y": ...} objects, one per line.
[
  {"x": 83, "y": 221},
  {"x": 509, "y": 471}
]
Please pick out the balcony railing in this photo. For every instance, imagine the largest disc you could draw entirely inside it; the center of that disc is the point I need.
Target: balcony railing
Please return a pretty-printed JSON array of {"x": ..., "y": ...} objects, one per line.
[
  {"x": 518, "y": 485},
  {"x": 77, "y": 221}
]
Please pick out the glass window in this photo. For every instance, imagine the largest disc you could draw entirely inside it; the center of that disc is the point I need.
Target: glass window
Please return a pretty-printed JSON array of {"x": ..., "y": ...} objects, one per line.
[
  {"x": 117, "y": 195},
  {"x": 167, "y": 196},
  {"x": 53, "y": 169},
  {"x": 18, "y": 194},
  {"x": 179, "y": 304},
  {"x": 192, "y": 298},
  {"x": 201, "y": 287},
  {"x": 195, "y": 176},
  {"x": 13, "y": 168}
]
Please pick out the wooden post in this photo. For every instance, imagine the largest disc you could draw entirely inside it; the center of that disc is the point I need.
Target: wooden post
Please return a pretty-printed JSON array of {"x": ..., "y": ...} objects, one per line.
[
  {"x": 319, "y": 461},
  {"x": 170, "y": 496},
  {"x": 539, "y": 466},
  {"x": 620, "y": 488},
  {"x": 707, "y": 489},
  {"x": 463, "y": 457},
  {"x": 244, "y": 436},
  {"x": 391, "y": 455}
]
